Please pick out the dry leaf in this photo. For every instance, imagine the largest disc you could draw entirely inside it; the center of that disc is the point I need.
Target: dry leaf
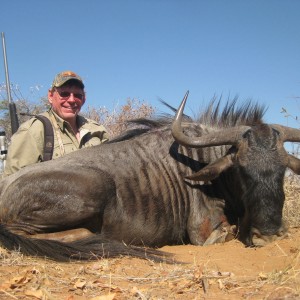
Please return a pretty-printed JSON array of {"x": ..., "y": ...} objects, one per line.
[
  {"x": 18, "y": 281},
  {"x": 34, "y": 293},
  {"x": 5, "y": 286},
  {"x": 262, "y": 276},
  {"x": 80, "y": 284},
  {"x": 221, "y": 285},
  {"x": 105, "y": 297}
]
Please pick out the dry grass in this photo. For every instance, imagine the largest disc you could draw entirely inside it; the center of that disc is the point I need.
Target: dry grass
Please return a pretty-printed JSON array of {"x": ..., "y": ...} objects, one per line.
[
  {"x": 291, "y": 209},
  {"x": 132, "y": 279}
]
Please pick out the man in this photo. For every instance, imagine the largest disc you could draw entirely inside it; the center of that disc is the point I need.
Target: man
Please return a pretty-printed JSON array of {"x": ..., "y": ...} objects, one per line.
[{"x": 71, "y": 131}]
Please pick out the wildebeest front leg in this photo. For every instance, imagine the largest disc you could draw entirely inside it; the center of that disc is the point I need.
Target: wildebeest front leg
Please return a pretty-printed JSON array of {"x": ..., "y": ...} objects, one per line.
[
  {"x": 56, "y": 200},
  {"x": 207, "y": 223},
  {"x": 221, "y": 234}
]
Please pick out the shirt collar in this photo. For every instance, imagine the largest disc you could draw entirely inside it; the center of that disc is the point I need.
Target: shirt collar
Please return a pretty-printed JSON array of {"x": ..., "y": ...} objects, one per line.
[{"x": 81, "y": 121}]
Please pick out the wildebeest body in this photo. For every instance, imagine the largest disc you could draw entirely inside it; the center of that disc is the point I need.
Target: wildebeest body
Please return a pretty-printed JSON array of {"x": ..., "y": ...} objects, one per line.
[
  {"x": 147, "y": 189},
  {"x": 133, "y": 191}
]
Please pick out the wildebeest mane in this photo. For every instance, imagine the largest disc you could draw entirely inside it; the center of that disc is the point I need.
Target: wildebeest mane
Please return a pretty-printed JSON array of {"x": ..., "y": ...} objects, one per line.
[
  {"x": 232, "y": 114},
  {"x": 215, "y": 115}
]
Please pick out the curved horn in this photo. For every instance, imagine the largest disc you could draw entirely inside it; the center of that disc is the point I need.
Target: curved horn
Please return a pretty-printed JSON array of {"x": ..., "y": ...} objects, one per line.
[
  {"x": 226, "y": 136},
  {"x": 294, "y": 164},
  {"x": 212, "y": 170},
  {"x": 288, "y": 134}
]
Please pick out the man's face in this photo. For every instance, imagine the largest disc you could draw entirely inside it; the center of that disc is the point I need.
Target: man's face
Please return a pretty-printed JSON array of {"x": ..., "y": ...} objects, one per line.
[{"x": 66, "y": 101}]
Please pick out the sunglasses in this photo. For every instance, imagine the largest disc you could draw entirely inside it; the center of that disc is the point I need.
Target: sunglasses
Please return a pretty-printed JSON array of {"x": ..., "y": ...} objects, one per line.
[{"x": 66, "y": 95}]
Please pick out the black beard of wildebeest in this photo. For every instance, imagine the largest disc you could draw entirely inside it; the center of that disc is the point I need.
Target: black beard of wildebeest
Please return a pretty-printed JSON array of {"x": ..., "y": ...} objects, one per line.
[{"x": 160, "y": 184}]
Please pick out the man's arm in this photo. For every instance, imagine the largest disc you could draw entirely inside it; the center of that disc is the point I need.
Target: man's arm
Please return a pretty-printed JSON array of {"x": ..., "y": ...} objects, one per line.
[{"x": 26, "y": 147}]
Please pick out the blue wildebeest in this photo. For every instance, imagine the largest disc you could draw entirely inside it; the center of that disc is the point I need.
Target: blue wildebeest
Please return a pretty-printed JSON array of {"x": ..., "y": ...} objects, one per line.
[{"x": 147, "y": 189}]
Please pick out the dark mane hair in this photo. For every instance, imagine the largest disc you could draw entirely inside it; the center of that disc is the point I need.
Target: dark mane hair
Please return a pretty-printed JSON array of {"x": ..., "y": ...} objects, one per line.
[{"x": 248, "y": 113}]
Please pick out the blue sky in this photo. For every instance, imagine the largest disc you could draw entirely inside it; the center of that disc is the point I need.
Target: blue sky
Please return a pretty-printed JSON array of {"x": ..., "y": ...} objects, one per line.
[{"x": 159, "y": 49}]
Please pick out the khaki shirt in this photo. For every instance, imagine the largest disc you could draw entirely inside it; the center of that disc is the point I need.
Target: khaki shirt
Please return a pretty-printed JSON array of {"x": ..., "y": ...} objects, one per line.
[{"x": 27, "y": 144}]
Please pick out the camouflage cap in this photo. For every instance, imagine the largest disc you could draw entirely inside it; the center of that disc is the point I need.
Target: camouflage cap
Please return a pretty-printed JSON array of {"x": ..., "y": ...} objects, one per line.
[{"x": 62, "y": 77}]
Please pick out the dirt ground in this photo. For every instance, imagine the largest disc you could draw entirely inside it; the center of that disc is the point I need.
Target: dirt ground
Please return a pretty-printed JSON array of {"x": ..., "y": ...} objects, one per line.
[{"x": 223, "y": 271}]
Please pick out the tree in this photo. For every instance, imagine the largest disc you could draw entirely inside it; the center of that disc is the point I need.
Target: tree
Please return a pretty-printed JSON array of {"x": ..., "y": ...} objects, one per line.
[
  {"x": 115, "y": 121},
  {"x": 25, "y": 107}
]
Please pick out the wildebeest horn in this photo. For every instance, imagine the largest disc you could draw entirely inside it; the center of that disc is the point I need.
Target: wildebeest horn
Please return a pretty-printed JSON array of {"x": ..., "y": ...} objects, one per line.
[
  {"x": 226, "y": 136},
  {"x": 212, "y": 170},
  {"x": 287, "y": 134}
]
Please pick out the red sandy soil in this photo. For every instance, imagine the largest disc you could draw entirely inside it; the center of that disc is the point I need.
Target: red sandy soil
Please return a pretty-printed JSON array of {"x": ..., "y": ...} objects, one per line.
[{"x": 222, "y": 271}]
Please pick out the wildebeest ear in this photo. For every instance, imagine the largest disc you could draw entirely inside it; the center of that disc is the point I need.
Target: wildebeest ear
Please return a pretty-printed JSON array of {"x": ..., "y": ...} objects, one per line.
[
  {"x": 294, "y": 164},
  {"x": 212, "y": 170}
]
